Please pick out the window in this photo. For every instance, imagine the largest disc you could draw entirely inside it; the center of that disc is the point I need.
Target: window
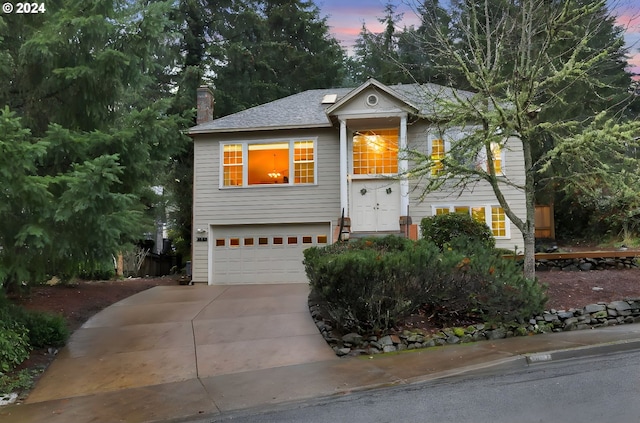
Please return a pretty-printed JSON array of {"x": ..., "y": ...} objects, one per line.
[
  {"x": 232, "y": 165},
  {"x": 375, "y": 152},
  {"x": 437, "y": 155},
  {"x": 496, "y": 156},
  {"x": 286, "y": 162},
  {"x": 303, "y": 162},
  {"x": 498, "y": 222},
  {"x": 439, "y": 147},
  {"x": 493, "y": 216}
]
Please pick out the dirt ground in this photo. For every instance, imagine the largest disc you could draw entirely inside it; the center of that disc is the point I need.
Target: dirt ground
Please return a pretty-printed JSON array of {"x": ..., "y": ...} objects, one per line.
[{"x": 78, "y": 302}]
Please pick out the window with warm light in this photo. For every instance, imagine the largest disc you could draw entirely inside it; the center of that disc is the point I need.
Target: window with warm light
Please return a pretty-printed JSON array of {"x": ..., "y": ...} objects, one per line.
[
  {"x": 498, "y": 222},
  {"x": 232, "y": 165},
  {"x": 268, "y": 163},
  {"x": 437, "y": 155},
  {"x": 493, "y": 216},
  {"x": 496, "y": 156},
  {"x": 375, "y": 152}
]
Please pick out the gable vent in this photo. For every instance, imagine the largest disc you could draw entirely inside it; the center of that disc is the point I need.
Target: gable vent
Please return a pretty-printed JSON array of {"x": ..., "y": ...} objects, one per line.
[{"x": 329, "y": 98}]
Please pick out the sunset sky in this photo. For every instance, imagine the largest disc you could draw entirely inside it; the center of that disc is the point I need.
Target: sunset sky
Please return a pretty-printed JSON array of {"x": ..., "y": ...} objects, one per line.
[{"x": 345, "y": 19}]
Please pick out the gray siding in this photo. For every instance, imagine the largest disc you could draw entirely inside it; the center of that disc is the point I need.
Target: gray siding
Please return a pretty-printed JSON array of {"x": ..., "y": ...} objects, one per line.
[
  {"x": 261, "y": 204},
  {"x": 480, "y": 194}
]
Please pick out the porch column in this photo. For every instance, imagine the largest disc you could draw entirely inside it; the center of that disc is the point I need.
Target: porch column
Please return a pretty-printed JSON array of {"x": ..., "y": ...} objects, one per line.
[
  {"x": 344, "y": 204},
  {"x": 403, "y": 168}
]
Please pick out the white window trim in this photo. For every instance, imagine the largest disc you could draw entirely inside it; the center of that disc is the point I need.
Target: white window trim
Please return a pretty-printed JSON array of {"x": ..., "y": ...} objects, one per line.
[
  {"x": 245, "y": 162},
  {"x": 487, "y": 215},
  {"x": 454, "y": 135}
]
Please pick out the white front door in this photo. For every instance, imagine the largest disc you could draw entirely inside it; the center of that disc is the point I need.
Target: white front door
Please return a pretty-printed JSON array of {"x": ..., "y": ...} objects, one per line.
[{"x": 375, "y": 205}]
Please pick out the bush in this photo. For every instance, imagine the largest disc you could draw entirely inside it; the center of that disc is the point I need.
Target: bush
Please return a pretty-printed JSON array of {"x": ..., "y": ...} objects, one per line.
[
  {"x": 37, "y": 329},
  {"x": 14, "y": 345},
  {"x": 370, "y": 285},
  {"x": 445, "y": 228},
  {"x": 45, "y": 330}
]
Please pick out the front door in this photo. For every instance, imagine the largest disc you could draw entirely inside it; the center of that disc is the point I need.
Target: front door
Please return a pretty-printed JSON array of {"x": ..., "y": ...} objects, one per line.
[
  {"x": 375, "y": 205},
  {"x": 374, "y": 197}
]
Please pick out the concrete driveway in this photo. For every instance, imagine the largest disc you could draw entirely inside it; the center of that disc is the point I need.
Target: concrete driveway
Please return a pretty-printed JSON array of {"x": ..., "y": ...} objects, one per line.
[
  {"x": 172, "y": 334},
  {"x": 179, "y": 352}
]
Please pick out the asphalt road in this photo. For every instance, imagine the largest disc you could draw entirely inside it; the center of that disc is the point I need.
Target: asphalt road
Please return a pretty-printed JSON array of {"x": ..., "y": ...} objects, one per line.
[{"x": 604, "y": 388}]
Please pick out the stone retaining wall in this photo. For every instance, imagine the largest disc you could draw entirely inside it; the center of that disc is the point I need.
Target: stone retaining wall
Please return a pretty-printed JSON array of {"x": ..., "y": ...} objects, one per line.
[
  {"x": 586, "y": 264},
  {"x": 591, "y": 316}
]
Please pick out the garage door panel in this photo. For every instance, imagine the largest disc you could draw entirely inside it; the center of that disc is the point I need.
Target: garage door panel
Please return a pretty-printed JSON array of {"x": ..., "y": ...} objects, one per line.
[{"x": 263, "y": 253}]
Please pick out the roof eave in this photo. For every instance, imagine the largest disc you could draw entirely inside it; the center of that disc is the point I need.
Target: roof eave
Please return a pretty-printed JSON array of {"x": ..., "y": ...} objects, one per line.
[{"x": 259, "y": 128}]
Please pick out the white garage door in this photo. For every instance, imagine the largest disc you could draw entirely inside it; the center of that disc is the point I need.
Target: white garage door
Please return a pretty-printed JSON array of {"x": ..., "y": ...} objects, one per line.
[{"x": 243, "y": 254}]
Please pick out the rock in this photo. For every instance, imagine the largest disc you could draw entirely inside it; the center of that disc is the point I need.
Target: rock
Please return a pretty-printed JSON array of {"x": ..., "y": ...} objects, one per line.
[
  {"x": 619, "y": 305},
  {"x": 586, "y": 266},
  {"x": 571, "y": 321},
  {"x": 593, "y": 308},
  {"x": 565, "y": 315},
  {"x": 453, "y": 340},
  {"x": 352, "y": 338},
  {"x": 602, "y": 314},
  {"x": 340, "y": 352},
  {"x": 498, "y": 333},
  {"x": 385, "y": 341},
  {"x": 415, "y": 338},
  {"x": 550, "y": 317},
  {"x": 375, "y": 344},
  {"x": 389, "y": 348}
]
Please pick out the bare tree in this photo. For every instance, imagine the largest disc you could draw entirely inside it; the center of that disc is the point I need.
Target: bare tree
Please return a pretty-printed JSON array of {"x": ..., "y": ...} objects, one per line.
[{"x": 517, "y": 60}]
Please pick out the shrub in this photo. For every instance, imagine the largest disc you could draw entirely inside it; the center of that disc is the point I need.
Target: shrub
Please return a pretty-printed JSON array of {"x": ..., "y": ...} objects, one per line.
[
  {"x": 40, "y": 329},
  {"x": 14, "y": 345},
  {"x": 445, "y": 228},
  {"x": 45, "y": 330},
  {"x": 370, "y": 285}
]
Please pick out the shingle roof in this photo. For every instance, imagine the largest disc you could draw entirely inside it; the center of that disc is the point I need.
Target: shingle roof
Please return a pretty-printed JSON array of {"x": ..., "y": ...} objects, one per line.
[{"x": 305, "y": 109}]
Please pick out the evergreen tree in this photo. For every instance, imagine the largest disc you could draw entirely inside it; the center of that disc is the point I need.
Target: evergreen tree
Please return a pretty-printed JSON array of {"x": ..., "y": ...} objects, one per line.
[
  {"x": 271, "y": 49},
  {"x": 417, "y": 48},
  {"x": 376, "y": 55},
  {"x": 87, "y": 132}
]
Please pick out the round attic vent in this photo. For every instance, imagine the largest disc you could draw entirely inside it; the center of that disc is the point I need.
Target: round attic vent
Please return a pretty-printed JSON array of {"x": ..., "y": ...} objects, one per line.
[{"x": 372, "y": 100}]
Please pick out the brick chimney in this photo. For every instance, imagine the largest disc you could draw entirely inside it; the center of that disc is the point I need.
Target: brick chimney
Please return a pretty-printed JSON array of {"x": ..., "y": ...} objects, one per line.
[{"x": 205, "y": 104}]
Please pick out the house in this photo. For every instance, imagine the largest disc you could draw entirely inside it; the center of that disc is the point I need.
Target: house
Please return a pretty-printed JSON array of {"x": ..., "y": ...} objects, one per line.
[{"x": 276, "y": 179}]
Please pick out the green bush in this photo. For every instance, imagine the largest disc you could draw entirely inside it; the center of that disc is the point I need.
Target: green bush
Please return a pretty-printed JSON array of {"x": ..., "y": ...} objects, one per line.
[
  {"x": 370, "y": 285},
  {"x": 45, "y": 330},
  {"x": 445, "y": 228},
  {"x": 42, "y": 329},
  {"x": 14, "y": 344}
]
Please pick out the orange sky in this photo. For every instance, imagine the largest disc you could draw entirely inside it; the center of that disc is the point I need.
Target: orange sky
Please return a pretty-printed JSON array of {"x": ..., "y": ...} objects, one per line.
[{"x": 345, "y": 19}]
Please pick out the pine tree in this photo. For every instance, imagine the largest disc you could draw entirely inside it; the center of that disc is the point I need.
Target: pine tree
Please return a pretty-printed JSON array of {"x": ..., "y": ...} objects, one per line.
[
  {"x": 271, "y": 49},
  {"x": 82, "y": 93}
]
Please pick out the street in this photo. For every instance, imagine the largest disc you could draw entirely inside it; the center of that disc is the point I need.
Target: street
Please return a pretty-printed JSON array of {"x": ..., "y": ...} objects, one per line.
[{"x": 604, "y": 388}]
